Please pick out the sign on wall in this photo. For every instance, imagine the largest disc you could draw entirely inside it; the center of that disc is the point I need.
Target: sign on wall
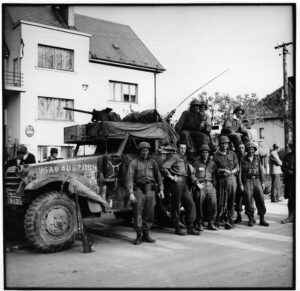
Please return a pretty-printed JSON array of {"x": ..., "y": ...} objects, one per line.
[{"x": 29, "y": 130}]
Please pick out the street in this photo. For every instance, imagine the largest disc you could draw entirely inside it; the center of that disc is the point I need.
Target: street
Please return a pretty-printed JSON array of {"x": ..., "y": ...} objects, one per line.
[{"x": 244, "y": 257}]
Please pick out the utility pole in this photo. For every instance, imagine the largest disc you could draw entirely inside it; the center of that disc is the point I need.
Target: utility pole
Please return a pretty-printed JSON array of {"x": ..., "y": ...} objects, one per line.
[{"x": 285, "y": 93}]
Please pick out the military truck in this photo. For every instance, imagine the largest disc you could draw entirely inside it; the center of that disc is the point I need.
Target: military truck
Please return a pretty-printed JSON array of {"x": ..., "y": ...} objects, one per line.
[{"x": 40, "y": 196}]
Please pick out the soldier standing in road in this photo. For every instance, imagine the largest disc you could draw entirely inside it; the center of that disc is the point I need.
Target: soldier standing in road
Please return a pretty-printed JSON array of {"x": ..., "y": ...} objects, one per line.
[
  {"x": 227, "y": 166},
  {"x": 234, "y": 129},
  {"x": 177, "y": 171},
  {"x": 288, "y": 168},
  {"x": 53, "y": 155},
  {"x": 194, "y": 125},
  {"x": 203, "y": 177},
  {"x": 275, "y": 171},
  {"x": 143, "y": 174},
  {"x": 252, "y": 182},
  {"x": 239, "y": 194}
]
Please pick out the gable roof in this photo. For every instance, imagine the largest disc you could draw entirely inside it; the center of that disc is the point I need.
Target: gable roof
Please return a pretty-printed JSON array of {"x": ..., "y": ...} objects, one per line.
[{"x": 110, "y": 42}]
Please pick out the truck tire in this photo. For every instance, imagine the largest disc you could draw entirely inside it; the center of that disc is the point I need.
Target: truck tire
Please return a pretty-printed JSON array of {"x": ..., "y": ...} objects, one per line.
[{"x": 50, "y": 222}]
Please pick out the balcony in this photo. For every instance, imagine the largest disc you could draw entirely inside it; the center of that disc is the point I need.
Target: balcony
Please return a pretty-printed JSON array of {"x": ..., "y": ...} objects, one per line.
[{"x": 13, "y": 81}]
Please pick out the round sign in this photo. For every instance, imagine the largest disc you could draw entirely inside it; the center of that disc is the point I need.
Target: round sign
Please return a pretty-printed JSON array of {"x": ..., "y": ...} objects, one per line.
[{"x": 29, "y": 130}]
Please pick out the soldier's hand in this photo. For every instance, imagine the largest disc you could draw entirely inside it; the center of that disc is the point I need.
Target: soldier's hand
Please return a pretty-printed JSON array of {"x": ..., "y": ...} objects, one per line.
[
  {"x": 242, "y": 188},
  {"x": 263, "y": 186},
  {"x": 200, "y": 186},
  {"x": 177, "y": 179},
  {"x": 161, "y": 194},
  {"x": 132, "y": 198}
]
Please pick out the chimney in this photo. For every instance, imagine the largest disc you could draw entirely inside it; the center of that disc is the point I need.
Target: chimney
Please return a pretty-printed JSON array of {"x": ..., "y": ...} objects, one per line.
[{"x": 67, "y": 13}]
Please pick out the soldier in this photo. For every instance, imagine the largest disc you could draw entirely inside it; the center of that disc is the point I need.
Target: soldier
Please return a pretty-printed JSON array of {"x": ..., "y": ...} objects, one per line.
[
  {"x": 29, "y": 158},
  {"x": 275, "y": 171},
  {"x": 203, "y": 177},
  {"x": 194, "y": 125},
  {"x": 18, "y": 161},
  {"x": 288, "y": 168},
  {"x": 234, "y": 129},
  {"x": 239, "y": 194},
  {"x": 177, "y": 171},
  {"x": 143, "y": 174},
  {"x": 252, "y": 182},
  {"x": 53, "y": 155},
  {"x": 227, "y": 166}
]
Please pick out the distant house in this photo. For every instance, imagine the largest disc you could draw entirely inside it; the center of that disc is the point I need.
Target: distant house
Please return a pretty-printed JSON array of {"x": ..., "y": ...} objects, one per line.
[
  {"x": 271, "y": 127},
  {"x": 54, "y": 58}
]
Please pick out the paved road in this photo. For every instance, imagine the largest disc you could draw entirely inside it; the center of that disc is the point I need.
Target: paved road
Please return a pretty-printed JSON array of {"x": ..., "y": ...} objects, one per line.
[{"x": 258, "y": 257}]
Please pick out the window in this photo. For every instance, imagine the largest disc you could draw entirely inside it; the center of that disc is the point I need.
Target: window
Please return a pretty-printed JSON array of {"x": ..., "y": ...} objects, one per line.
[
  {"x": 52, "y": 109},
  {"x": 123, "y": 92},
  {"x": 261, "y": 133},
  {"x": 55, "y": 58}
]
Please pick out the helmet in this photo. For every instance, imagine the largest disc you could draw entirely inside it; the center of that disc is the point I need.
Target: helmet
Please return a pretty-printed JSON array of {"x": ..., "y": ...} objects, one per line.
[
  {"x": 143, "y": 145},
  {"x": 203, "y": 103},
  {"x": 195, "y": 102},
  {"x": 251, "y": 144},
  {"x": 239, "y": 108},
  {"x": 204, "y": 147},
  {"x": 223, "y": 139}
]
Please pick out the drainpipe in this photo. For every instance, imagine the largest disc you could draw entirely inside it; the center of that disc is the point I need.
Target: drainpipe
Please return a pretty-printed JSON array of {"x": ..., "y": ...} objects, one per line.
[{"x": 155, "y": 90}]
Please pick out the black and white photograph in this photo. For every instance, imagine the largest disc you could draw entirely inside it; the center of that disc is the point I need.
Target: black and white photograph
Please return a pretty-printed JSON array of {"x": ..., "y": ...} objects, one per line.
[{"x": 149, "y": 145}]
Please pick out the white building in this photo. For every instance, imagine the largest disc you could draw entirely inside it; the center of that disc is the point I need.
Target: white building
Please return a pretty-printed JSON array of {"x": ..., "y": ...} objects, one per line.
[{"x": 55, "y": 58}]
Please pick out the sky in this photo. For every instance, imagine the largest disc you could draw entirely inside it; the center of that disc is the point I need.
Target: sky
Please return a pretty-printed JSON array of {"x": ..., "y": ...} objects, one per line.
[{"x": 195, "y": 43}]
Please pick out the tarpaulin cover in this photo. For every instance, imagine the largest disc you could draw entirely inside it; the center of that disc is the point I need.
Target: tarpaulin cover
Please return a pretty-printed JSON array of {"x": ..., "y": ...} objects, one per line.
[{"x": 157, "y": 130}]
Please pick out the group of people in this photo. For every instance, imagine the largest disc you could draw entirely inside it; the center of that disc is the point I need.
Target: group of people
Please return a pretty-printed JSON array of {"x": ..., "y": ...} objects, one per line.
[{"x": 208, "y": 183}]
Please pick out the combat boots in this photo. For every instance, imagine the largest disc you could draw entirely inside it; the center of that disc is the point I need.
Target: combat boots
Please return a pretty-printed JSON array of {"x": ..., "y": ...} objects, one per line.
[
  {"x": 179, "y": 230},
  {"x": 251, "y": 221},
  {"x": 139, "y": 238},
  {"x": 191, "y": 230},
  {"x": 238, "y": 218},
  {"x": 147, "y": 237},
  {"x": 211, "y": 226},
  {"x": 262, "y": 221},
  {"x": 198, "y": 225}
]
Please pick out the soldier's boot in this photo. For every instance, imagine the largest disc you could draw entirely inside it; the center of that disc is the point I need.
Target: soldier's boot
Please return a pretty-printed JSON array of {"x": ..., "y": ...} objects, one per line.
[
  {"x": 231, "y": 223},
  {"x": 198, "y": 225},
  {"x": 211, "y": 226},
  {"x": 139, "y": 238},
  {"x": 147, "y": 237},
  {"x": 262, "y": 221},
  {"x": 251, "y": 221},
  {"x": 238, "y": 218},
  {"x": 191, "y": 230},
  {"x": 179, "y": 230}
]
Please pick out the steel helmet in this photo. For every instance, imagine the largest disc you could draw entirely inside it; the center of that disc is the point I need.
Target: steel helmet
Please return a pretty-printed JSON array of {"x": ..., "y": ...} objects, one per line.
[
  {"x": 195, "y": 102},
  {"x": 251, "y": 144},
  {"x": 143, "y": 145},
  {"x": 223, "y": 139},
  {"x": 239, "y": 108},
  {"x": 204, "y": 147}
]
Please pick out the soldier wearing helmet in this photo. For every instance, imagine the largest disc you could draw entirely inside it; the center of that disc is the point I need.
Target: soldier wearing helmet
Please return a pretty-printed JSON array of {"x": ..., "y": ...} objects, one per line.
[
  {"x": 142, "y": 177},
  {"x": 233, "y": 128},
  {"x": 194, "y": 125},
  {"x": 227, "y": 166},
  {"x": 177, "y": 171},
  {"x": 204, "y": 193},
  {"x": 252, "y": 182}
]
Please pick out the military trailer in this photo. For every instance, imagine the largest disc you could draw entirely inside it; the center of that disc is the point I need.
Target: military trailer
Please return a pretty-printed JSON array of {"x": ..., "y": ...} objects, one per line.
[{"x": 40, "y": 197}]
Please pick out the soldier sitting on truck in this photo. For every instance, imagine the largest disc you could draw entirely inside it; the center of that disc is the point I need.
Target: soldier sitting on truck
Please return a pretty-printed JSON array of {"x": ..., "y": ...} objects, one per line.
[
  {"x": 53, "y": 155},
  {"x": 234, "y": 129},
  {"x": 142, "y": 177},
  {"x": 194, "y": 125}
]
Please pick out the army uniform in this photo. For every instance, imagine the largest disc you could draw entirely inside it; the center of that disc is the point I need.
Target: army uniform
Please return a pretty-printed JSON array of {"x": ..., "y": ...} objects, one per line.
[
  {"x": 204, "y": 173},
  {"x": 227, "y": 184},
  {"x": 177, "y": 166},
  {"x": 142, "y": 176},
  {"x": 194, "y": 126},
  {"x": 252, "y": 178}
]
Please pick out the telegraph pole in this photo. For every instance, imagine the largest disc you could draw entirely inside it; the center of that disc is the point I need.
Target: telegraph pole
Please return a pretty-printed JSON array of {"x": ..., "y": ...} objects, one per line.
[{"x": 285, "y": 93}]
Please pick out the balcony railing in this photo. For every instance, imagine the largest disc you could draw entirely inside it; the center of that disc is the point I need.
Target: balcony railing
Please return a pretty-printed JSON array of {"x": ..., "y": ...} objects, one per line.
[{"x": 13, "y": 79}]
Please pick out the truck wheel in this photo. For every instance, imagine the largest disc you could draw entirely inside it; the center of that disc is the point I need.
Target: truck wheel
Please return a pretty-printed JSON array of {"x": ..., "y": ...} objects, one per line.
[{"x": 50, "y": 222}]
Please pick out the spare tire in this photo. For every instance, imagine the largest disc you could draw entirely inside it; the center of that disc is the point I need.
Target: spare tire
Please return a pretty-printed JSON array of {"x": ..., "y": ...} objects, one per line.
[{"x": 50, "y": 222}]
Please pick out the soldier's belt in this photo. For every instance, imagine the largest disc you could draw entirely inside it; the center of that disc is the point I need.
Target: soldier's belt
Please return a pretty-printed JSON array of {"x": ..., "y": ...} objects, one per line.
[{"x": 251, "y": 177}]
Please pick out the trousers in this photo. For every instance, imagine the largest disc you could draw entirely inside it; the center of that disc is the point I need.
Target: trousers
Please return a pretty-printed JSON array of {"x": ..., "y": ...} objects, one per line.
[{"x": 275, "y": 189}]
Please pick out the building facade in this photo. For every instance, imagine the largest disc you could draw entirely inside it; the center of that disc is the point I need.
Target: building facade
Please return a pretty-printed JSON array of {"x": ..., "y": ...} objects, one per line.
[{"x": 51, "y": 61}]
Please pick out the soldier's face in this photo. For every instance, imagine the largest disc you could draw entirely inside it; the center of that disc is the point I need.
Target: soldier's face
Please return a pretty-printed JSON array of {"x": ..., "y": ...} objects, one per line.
[
  {"x": 144, "y": 153},
  {"x": 182, "y": 149},
  {"x": 251, "y": 151},
  {"x": 204, "y": 155},
  {"x": 239, "y": 113},
  {"x": 202, "y": 108},
  {"x": 241, "y": 149},
  {"x": 224, "y": 146},
  {"x": 195, "y": 108}
]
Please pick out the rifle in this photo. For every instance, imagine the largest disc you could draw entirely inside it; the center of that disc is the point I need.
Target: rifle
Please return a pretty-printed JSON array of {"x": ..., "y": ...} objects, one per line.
[
  {"x": 86, "y": 243},
  {"x": 169, "y": 116}
]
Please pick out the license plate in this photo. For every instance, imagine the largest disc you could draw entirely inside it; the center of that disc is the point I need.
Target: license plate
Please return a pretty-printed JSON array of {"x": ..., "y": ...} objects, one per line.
[{"x": 14, "y": 201}]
